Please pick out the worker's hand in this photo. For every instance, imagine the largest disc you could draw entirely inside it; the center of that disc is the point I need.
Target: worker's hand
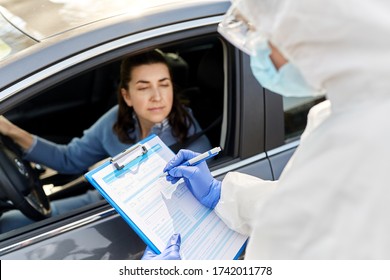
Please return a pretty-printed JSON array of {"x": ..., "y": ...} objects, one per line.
[
  {"x": 171, "y": 252},
  {"x": 198, "y": 178}
]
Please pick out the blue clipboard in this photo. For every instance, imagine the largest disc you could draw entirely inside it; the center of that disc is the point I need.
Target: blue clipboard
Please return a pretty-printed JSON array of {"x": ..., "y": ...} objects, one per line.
[
  {"x": 119, "y": 162},
  {"x": 132, "y": 156}
]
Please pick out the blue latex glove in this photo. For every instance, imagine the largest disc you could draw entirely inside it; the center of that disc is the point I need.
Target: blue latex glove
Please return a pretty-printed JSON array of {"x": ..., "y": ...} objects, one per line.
[
  {"x": 198, "y": 178},
  {"x": 171, "y": 252}
]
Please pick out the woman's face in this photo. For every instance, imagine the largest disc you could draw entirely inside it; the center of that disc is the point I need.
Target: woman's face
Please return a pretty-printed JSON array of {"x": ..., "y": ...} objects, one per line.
[{"x": 150, "y": 94}]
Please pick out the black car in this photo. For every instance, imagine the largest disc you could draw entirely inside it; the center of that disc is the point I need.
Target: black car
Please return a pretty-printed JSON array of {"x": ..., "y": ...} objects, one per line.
[{"x": 59, "y": 69}]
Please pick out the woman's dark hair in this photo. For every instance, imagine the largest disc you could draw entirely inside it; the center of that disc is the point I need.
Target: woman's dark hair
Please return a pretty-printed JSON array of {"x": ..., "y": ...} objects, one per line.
[{"x": 178, "y": 118}]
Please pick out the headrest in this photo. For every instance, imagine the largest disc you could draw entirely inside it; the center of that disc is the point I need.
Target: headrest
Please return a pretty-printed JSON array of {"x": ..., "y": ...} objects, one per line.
[
  {"x": 210, "y": 69},
  {"x": 179, "y": 68}
]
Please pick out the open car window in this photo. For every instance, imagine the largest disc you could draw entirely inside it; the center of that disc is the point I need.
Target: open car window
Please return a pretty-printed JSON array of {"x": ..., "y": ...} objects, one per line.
[{"x": 63, "y": 110}]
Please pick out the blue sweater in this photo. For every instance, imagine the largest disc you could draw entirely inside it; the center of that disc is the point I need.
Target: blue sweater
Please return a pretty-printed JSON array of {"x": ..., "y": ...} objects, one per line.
[{"x": 99, "y": 142}]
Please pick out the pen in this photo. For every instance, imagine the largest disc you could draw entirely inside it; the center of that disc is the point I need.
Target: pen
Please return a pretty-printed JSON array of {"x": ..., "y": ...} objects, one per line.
[{"x": 200, "y": 158}]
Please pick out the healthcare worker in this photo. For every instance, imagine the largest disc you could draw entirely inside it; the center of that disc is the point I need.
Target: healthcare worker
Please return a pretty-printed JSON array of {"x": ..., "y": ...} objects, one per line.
[{"x": 333, "y": 197}]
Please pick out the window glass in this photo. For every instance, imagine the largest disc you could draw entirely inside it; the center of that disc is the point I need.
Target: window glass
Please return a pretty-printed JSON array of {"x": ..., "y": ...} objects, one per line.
[{"x": 295, "y": 115}]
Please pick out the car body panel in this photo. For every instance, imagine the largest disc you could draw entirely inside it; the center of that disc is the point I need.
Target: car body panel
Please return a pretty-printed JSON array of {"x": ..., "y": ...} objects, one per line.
[
  {"x": 42, "y": 19},
  {"x": 93, "y": 241}
]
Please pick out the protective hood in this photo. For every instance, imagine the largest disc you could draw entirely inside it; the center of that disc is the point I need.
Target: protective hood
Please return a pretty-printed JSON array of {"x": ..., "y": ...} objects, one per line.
[
  {"x": 332, "y": 199},
  {"x": 342, "y": 46}
]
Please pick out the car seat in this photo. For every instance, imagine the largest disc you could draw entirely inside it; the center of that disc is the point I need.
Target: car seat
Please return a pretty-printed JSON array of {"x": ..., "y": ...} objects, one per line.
[
  {"x": 207, "y": 103},
  {"x": 179, "y": 68}
]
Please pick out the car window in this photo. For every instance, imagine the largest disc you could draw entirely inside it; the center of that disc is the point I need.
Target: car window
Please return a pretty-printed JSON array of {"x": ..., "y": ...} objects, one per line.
[
  {"x": 202, "y": 84},
  {"x": 64, "y": 110},
  {"x": 295, "y": 115}
]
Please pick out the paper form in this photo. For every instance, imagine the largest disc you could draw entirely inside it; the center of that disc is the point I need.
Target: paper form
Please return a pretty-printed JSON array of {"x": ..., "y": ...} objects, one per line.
[{"x": 160, "y": 209}]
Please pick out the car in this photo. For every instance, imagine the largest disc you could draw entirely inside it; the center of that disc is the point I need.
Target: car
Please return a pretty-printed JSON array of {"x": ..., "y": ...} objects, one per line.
[{"x": 59, "y": 65}]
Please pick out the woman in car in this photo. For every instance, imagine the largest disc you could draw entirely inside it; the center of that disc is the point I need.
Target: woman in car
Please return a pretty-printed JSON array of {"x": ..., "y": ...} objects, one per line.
[{"x": 147, "y": 105}]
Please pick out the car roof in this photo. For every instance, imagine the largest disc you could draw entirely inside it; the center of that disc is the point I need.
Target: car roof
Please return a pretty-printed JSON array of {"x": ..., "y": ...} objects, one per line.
[
  {"x": 41, "y": 19},
  {"x": 61, "y": 42}
]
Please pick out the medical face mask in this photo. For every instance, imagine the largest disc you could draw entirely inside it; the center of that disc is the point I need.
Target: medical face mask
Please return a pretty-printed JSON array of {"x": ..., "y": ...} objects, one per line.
[{"x": 287, "y": 81}]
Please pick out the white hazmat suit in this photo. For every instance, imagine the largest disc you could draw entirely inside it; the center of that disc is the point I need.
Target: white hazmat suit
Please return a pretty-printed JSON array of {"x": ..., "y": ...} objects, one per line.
[{"x": 332, "y": 201}]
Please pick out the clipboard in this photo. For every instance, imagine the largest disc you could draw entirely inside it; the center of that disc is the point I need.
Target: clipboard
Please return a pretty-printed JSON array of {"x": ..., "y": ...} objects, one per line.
[
  {"x": 155, "y": 208},
  {"x": 126, "y": 156}
]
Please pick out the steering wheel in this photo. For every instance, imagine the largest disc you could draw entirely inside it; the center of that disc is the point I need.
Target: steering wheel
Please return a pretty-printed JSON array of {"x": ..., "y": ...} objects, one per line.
[{"x": 19, "y": 183}]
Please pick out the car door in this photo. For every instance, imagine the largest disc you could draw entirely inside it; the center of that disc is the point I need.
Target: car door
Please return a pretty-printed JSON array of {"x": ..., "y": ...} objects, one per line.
[{"x": 97, "y": 231}]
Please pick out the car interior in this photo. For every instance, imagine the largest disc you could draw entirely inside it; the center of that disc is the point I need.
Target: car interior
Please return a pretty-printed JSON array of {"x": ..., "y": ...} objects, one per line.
[{"x": 67, "y": 108}]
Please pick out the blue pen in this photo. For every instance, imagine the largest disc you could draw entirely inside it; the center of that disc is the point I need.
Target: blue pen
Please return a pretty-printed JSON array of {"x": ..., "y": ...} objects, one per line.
[{"x": 200, "y": 158}]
